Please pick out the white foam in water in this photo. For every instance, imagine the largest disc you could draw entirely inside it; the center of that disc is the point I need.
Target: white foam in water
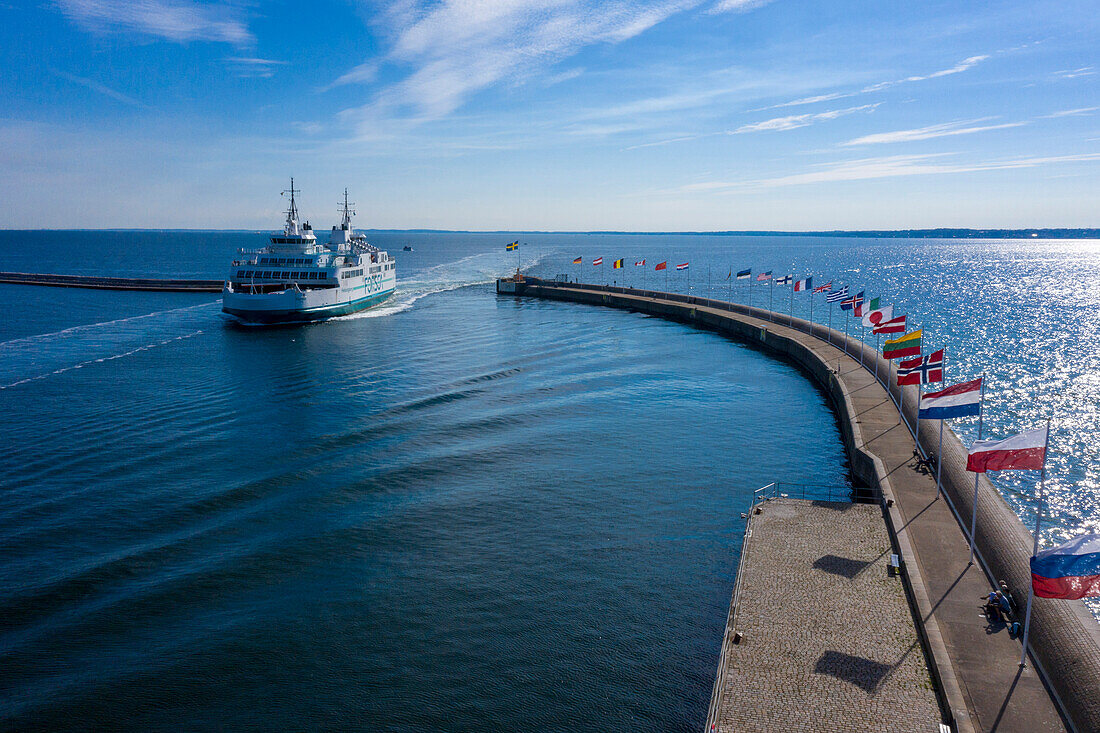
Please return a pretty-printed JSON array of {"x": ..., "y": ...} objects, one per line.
[
  {"x": 44, "y": 355},
  {"x": 472, "y": 270},
  {"x": 40, "y": 356}
]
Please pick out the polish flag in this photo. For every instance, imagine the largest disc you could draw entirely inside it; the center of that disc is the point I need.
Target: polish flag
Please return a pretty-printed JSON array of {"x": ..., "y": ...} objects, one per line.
[{"x": 1024, "y": 451}]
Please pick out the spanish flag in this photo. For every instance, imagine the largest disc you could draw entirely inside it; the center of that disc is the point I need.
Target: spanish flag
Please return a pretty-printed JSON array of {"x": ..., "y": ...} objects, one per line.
[
  {"x": 907, "y": 345},
  {"x": 513, "y": 245},
  {"x": 577, "y": 261},
  {"x": 617, "y": 264}
]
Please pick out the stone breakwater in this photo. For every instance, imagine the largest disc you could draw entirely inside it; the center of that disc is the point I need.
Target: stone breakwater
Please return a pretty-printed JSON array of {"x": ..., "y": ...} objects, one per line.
[
  {"x": 111, "y": 283},
  {"x": 978, "y": 681}
]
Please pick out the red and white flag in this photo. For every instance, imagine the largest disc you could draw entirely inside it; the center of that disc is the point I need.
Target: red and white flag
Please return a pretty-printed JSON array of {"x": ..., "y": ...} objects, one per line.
[
  {"x": 892, "y": 325},
  {"x": 640, "y": 263},
  {"x": 1024, "y": 451},
  {"x": 598, "y": 261},
  {"x": 877, "y": 316}
]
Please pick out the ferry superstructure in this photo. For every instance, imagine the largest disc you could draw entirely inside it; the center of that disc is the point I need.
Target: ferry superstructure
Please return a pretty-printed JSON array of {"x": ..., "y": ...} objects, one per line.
[{"x": 296, "y": 279}]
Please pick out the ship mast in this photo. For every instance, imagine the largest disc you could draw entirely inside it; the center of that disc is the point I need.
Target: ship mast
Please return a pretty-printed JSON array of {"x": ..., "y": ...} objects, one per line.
[
  {"x": 292, "y": 212},
  {"x": 347, "y": 211}
]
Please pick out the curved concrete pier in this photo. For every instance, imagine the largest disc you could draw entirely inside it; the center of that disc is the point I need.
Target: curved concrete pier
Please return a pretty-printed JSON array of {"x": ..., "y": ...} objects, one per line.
[
  {"x": 976, "y": 666},
  {"x": 111, "y": 283}
]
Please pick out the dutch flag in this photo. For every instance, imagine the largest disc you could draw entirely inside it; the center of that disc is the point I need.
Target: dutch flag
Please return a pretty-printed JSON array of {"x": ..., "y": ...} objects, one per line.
[{"x": 958, "y": 400}]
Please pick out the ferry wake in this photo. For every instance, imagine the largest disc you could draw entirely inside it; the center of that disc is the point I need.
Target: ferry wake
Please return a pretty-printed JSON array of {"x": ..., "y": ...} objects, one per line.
[{"x": 295, "y": 279}]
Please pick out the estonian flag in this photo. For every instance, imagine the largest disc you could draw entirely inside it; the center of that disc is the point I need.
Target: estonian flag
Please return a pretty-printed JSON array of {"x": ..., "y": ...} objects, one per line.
[{"x": 744, "y": 274}]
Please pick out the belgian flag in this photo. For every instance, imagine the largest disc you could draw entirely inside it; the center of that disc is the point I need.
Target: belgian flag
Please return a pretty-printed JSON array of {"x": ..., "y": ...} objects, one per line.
[{"x": 617, "y": 264}]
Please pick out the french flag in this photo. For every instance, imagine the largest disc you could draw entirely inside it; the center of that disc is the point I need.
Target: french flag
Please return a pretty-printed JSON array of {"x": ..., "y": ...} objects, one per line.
[
  {"x": 959, "y": 400},
  {"x": 801, "y": 285},
  {"x": 1026, "y": 451},
  {"x": 1071, "y": 570}
]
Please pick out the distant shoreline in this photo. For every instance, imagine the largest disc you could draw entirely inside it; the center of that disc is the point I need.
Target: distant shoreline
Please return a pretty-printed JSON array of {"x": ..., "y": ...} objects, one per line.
[{"x": 942, "y": 233}]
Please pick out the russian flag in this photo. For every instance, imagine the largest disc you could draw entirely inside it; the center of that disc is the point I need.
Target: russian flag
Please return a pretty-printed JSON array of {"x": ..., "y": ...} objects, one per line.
[
  {"x": 959, "y": 400},
  {"x": 1071, "y": 570},
  {"x": 1026, "y": 451},
  {"x": 801, "y": 285}
]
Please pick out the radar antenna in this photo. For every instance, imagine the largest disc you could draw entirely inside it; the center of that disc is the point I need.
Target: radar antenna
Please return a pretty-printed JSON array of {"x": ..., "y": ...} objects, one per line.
[{"x": 346, "y": 210}]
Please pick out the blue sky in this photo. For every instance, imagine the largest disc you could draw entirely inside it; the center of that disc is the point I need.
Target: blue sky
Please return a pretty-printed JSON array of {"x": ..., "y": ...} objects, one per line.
[{"x": 551, "y": 114}]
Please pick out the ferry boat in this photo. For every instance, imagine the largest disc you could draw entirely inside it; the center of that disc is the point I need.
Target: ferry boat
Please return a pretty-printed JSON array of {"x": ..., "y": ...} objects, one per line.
[{"x": 296, "y": 279}]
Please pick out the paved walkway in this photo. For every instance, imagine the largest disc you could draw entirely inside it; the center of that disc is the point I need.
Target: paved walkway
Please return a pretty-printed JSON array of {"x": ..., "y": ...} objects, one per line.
[
  {"x": 828, "y": 642},
  {"x": 982, "y": 669}
]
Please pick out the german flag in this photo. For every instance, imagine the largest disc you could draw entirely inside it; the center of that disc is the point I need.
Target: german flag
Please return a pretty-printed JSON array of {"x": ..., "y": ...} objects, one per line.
[
  {"x": 577, "y": 261},
  {"x": 617, "y": 264},
  {"x": 512, "y": 245}
]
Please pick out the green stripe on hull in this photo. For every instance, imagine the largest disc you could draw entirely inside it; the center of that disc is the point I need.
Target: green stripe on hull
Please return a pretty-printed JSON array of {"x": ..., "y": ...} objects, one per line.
[{"x": 315, "y": 314}]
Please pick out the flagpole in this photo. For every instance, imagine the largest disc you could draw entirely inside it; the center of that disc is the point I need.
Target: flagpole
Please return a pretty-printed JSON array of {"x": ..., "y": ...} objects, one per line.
[
  {"x": 811, "y": 307},
  {"x": 771, "y": 291},
  {"x": 878, "y": 347},
  {"x": 939, "y": 451},
  {"x": 1035, "y": 549},
  {"x": 830, "y": 318},
  {"x": 846, "y": 329},
  {"x": 792, "y": 303},
  {"x": 974, "y": 508}
]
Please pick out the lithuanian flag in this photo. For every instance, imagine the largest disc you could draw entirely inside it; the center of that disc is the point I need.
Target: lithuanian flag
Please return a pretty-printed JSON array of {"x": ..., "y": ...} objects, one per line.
[
  {"x": 907, "y": 345},
  {"x": 617, "y": 265}
]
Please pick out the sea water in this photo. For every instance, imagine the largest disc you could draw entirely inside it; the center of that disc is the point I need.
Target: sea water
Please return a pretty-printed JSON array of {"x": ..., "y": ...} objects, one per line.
[{"x": 457, "y": 510}]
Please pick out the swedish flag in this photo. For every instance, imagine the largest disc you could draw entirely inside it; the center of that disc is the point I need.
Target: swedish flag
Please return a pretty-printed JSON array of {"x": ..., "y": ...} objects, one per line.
[{"x": 512, "y": 245}]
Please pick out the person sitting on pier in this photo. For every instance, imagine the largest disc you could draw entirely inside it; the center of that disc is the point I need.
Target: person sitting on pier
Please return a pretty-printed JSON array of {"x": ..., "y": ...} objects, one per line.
[{"x": 992, "y": 607}]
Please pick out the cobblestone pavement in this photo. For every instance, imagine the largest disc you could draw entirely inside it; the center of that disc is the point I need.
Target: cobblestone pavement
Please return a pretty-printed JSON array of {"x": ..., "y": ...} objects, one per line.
[{"x": 828, "y": 641}]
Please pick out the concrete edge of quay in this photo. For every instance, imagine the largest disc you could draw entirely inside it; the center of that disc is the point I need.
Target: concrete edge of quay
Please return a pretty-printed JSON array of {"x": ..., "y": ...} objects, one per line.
[
  {"x": 1065, "y": 638},
  {"x": 96, "y": 282}
]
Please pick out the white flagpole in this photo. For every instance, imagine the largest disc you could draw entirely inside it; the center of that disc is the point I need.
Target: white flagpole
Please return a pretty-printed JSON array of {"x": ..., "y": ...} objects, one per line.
[
  {"x": 878, "y": 339},
  {"x": 771, "y": 292},
  {"x": 1035, "y": 550},
  {"x": 830, "y": 318},
  {"x": 939, "y": 451},
  {"x": 845, "y": 329},
  {"x": 974, "y": 508},
  {"x": 811, "y": 305}
]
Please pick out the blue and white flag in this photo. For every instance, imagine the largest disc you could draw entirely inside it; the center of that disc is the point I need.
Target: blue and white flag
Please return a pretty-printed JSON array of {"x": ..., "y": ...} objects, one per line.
[
  {"x": 835, "y": 296},
  {"x": 785, "y": 280},
  {"x": 744, "y": 274}
]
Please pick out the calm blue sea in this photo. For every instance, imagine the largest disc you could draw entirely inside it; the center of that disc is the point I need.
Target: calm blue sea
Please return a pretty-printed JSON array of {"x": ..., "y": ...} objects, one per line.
[{"x": 456, "y": 511}]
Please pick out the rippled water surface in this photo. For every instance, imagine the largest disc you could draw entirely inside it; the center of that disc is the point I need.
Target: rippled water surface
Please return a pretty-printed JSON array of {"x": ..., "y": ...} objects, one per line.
[{"x": 453, "y": 512}]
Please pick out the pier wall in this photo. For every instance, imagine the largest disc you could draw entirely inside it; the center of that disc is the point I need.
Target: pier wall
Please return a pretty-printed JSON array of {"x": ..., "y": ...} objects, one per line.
[
  {"x": 112, "y": 283},
  {"x": 1065, "y": 638}
]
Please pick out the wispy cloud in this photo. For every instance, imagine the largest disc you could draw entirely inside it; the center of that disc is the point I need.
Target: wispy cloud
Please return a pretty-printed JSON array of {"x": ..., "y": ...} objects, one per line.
[
  {"x": 1080, "y": 112},
  {"x": 248, "y": 68},
  {"x": 1074, "y": 73},
  {"x": 964, "y": 65},
  {"x": 884, "y": 167},
  {"x": 946, "y": 129},
  {"x": 792, "y": 122},
  {"x": 456, "y": 48},
  {"x": 736, "y": 6},
  {"x": 95, "y": 86},
  {"x": 176, "y": 20},
  {"x": 958, "y": 68}
]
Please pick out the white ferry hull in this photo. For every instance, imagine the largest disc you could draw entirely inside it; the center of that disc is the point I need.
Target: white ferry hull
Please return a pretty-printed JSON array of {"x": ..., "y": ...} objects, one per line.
[{"x": 294, "y": 306}]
